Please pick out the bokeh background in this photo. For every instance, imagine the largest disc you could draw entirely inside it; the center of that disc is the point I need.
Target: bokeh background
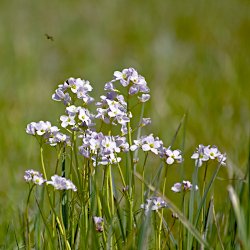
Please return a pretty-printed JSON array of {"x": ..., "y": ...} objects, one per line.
[{"x": 195, "y": 56}]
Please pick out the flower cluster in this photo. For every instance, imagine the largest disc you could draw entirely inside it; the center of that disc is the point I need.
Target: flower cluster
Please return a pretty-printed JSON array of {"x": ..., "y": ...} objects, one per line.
[
  {"x": 184, "y": 186},
  {"x": 113, "y": 108},
  {"x": 154, "y": 203},
  {"x": 77, "y": 117},
  {"x": 98, "y": 221},
  {"x": 71, "y": 89},
  {"x": 50, "y": 134},
  {"x": 57, "y": 182},
  {"x": 102, "y": 149},
  {"x": 61, "y": 183},
  {"x": 34, "y": 176},
  {"x": 205, "y": 153},
  {"x": 155, "y": 145},
  {"x": 136, "y": 83}
]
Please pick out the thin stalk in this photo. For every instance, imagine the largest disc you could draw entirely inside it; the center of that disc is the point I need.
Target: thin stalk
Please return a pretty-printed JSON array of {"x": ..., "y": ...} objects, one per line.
[
  {"x": 161, "y": 217},
  {"x": 27, "y": 219},
  {"x": 203, "y": 190},
  {"x": 143, "y": 176},
  {"x": 42, "y": 162},
  {"x": 51, "y": 204},
  {"x": 111, "y": 190}
]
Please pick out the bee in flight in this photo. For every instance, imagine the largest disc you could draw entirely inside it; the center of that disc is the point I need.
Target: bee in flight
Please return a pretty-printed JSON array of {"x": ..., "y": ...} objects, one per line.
[{"x": 49, "y": 37}]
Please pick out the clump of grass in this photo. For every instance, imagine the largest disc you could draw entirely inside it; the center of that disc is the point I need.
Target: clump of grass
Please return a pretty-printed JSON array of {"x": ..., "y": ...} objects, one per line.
[{"x": 100, "y": 193}]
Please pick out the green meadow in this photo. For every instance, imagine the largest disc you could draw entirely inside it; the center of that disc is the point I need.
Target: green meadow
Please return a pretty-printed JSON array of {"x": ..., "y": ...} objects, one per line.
[{"x": 194, "y": 55}]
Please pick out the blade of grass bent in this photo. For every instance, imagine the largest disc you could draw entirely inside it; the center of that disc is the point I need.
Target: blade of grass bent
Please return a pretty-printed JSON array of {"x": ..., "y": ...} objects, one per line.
[
  {"x": 239, "y": 217},
  {"x": 206, "y": 193},
  {"x": 181, "y": 217}
]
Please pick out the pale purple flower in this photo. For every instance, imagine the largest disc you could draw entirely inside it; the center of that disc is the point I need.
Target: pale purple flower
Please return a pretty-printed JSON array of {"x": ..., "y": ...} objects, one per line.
[
  {"x": 184, "y": 186},
  {"x": 61, "y": 183},
  {"x": 102, "y": 149},
  {"x": 144, "y": 98},
  {"x": 42, "y": 127},
  {"x": 122, "y": 77},
  {"x": 200, "y": 155},
  {"x": 31, "y": 128},
  {"x": 67, "y": 120},
  {"x": 59, "y": 95},
  {"x": 137, "y": 144},
  {"x": 212, "y": 152},
  {"x": 173, "y": 155},
  {"x": 109, "y": 87},
  {"x": 133, "y": 90},
  {"x": 84, "y": 116},
  {"x": 102, "y": 114},
  {"x": 205, "y": 153},
  {"x": 34, "y": 176},
  {"x": 58, "y": 137},
  {"x": 98, "y": 221},
  {"x": 145, "y": 122},
  {"x": 72, "y": 110},
  {"x": 177, "y": 187},
  {"x": 221, "y": 158},
  {"x": 154, "y": 203},
  {"x": 149, "y": 143}
]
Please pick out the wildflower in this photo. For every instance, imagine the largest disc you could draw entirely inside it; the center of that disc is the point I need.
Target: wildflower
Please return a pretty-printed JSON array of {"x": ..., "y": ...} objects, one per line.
[
  {"x": 184, "y": 186},
  {"x": 154, "y": 203},
  {"x": 130, "y": 77},
  {"x": 42, "y": 127},
  {"x": 61, "y": 183},
  {"x": 34, "y": 176},
  {"x": 173, "y": 155},
  {"x": 145, "y": 122},
  {"x": 67, "y": 120},
  {"x": 137, "y": 144},
  {"x": 151, "y": 144},
  {"x": 200, "y": 156},
  {"x": 59, "y": 95},
  {"x": 221, "y": 158},
  {"x": 144, "y": 97},
  {"x": 72, "y": 110},
  {"x": 75, "y": 86},
  {"x": 98, "y": 223},
  {"x": 205, "y": 153},
  {"x": 212, "y": 152},
  {"x": 122, "y": 77},
  {"x": 84, "y": 116},
  {"x": 58, "y": 137}
]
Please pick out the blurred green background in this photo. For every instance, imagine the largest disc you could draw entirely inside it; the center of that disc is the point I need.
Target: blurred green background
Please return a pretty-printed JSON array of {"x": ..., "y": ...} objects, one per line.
[{"x": 195, "y": 56}]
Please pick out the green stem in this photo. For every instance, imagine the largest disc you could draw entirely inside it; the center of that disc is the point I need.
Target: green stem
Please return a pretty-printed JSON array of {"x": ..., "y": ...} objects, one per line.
[
  {"x": 27, "y": 219},
  {"x": 42, "y": 162},
  {"x": 143, "y": 176},
  {"x": 161, "y": 217}
]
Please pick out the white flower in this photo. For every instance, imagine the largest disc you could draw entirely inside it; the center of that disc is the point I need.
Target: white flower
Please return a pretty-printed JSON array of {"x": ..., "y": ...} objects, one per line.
[
  {"x": 98, "y": 223},
  {"x": 212, "y": 152},
  {"x": 151, "y": 144},
  {"x": 173, "y": 155},
  {"x": 67, "y": 120},
  {"x": 200, "y": 156},
  {"x": 205, "y": 153},
  {"x": 154, "y": 203},
  {"x": 177, "y": 187},
  {"x": 61, "y": 183},
  {"x": 184, "y": 186},
  {"x": 34, "y": 176}
]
